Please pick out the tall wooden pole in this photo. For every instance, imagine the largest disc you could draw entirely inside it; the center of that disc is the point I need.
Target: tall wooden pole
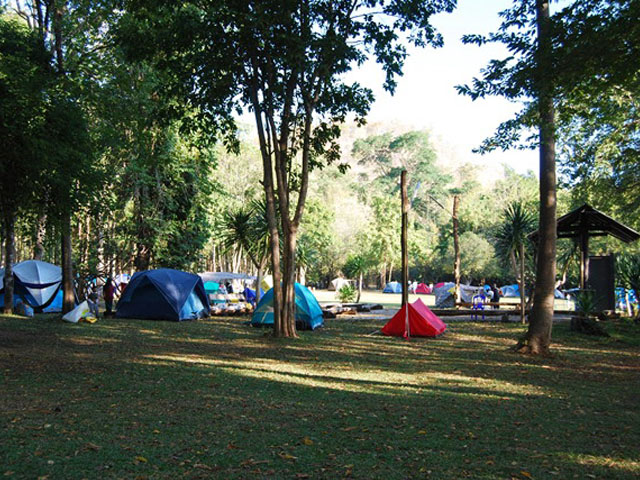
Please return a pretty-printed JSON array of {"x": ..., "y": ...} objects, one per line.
[
  {"x": 456, "y": 246},
  {"x": 403, "y": 239}
]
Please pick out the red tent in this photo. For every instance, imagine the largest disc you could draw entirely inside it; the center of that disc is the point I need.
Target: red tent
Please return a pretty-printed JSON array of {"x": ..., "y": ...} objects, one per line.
[
  {"x": 422, "y": 322},
  {"x": 423, "y": 288}
]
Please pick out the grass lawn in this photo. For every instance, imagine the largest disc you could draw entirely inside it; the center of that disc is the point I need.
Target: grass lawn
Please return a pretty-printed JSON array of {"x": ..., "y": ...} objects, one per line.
[{"x": 216, "y": 399}]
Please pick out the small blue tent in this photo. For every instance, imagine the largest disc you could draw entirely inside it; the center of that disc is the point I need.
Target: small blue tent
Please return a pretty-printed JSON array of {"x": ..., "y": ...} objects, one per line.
[
  {"x": 164, "y": 294},
  {"x": 37, "y": 284},
  {"x": 308, "y": 311},
  {"x": 392, "y": 287}
]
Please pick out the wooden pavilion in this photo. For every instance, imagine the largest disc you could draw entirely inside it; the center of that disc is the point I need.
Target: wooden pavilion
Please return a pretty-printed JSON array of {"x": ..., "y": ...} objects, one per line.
[{"x": 585, "y": 222}]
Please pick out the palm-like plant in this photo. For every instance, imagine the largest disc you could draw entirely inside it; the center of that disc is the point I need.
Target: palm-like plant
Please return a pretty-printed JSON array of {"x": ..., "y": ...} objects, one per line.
[
  {"x": 357, "y": 266},
  {"x": 511, "y": 242},
  {"x": 245, "y": 230}
]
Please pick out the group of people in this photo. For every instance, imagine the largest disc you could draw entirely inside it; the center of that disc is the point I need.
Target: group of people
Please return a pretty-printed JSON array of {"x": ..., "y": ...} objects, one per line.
[{"x": 108, "y": 294}]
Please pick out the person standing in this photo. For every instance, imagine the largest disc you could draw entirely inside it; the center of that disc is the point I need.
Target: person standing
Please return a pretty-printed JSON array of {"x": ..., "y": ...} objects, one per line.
[
  {"x": 108, "y": 292},
  {"x": 496, "y": 295}
]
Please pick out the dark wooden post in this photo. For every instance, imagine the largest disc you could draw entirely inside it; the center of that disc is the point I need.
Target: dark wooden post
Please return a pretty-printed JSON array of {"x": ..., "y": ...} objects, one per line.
[
  {"x": 584, "y": 253},
  {"x": 403, "y": 239},
  {"x": 456, "y": 246}
]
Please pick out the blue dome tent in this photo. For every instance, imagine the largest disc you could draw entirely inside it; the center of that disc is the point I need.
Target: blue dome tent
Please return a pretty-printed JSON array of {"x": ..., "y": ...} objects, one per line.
[
  {"x": 164, "y": 294},
  {"x": 392, "y": 287},
  {"x": 308, "y": 311}
]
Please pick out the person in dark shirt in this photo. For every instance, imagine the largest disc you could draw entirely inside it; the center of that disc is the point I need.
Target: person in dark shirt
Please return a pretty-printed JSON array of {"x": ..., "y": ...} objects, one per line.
[
  {"x": 108, "y": 292},
  {"x": 496, "y": 295}
]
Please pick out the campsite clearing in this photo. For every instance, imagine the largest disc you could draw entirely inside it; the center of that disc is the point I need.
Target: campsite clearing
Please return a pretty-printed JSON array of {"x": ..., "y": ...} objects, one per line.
[{"x": 217, "y": 399}]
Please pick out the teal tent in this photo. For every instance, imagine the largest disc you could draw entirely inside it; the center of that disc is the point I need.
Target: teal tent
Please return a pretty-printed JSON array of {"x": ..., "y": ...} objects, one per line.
[{"x": 308, "y": 311}]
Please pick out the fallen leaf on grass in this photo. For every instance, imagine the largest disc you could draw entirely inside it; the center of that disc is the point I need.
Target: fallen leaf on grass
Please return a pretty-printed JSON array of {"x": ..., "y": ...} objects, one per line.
[
  {"x": 307, "y": 441},
  {"x": 526, "y": 474},
  {"x": 422, "y": 432},
  {"x": 202, "y": 466},
  {"x": 287, "y": 456},
  {"x": 92, "y": 446},
  {"x": 141, "y": 459}
]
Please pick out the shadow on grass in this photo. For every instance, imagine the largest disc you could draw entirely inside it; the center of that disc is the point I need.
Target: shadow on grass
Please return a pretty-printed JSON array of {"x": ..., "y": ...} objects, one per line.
[{"x": 216, "y": 399}]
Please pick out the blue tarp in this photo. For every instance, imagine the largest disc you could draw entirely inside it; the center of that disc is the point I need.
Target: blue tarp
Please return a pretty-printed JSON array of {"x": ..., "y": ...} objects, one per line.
[
  {"x": 392, "y": 287},
  {"x": 164, "y": 294},
  {"x": 308, "y": 311},
  {"x": 510, "y": 291}
]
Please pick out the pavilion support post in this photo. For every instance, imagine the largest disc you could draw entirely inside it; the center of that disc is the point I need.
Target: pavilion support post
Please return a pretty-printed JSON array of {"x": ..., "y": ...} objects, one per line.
[
  {"x": 403, "y": 239},
  {"x": 584, "y": 258}
]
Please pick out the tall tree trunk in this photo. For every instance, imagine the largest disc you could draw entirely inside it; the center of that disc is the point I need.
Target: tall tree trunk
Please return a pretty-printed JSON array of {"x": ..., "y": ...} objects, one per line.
[
  {"x": 10, "y": 254},
  {"x": 143, "y": 256},
  {"x": 521, "y": 284},
  {"x": 538, "y": 336},
  {"x": 359, "y": 288},
  {"x": 287, "y": 327},
  {"x": 41, "y": 229},
  {"x": 260, "y": 267},
  {"x": 456, "y": 246},
  {"x": 267, "y": 171},
  {"x": 68, "y": 301}
]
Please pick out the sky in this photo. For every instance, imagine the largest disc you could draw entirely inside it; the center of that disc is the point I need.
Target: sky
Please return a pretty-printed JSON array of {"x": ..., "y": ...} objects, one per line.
[{"x": 426, "y": 97}]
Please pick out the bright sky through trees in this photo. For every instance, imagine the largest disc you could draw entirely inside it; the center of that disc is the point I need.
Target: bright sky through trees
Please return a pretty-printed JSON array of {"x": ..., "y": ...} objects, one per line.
[{"x": 426, "y": 97}]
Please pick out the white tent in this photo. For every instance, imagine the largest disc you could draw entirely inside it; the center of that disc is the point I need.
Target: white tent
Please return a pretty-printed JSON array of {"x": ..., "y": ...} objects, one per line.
[
  {"x": 337, "y": 283},
  {"x": 40, "y": 280}
]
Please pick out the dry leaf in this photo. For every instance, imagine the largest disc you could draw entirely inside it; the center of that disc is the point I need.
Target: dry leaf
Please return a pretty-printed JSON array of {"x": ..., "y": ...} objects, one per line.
[
  {"x": 141, "y": 459},
  {"x": 307, "y": 441},
  {"x": 287, "y": 456},
  {"x": 526, "y": 474}
]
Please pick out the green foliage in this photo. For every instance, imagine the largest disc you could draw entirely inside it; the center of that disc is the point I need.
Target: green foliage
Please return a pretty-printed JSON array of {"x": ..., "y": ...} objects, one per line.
[
  {"x": 518, "y": 222},
  {"x": 347, "y": 294},
  {"x": 318, "y": 241},
  {"x": 586, "y": 302},
  {"x": 628, "y": 271},
  {"x": 26, "y": 82}
]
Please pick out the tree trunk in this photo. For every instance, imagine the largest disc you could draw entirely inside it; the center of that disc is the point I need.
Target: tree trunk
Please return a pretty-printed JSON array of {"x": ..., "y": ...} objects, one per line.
[
  {"x": 143, "y": 257},
  {"x": 68, "y": 301},
  {"x": 287, "y": 327},
  {"x": 521, "y": 284},
  {"x": 359, "y": 288},
  {"x": 38, "y": 248},
  {"x": 10, "y": 254},
  {"x": 259, "y": 281},
  {"x": 456, "y": 246},
  {"x": 538, "y": 336}
]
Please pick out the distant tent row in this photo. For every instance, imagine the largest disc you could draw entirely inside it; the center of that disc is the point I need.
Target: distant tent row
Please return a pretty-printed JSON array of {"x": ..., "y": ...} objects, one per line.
[
  {"x": 396, "y": 287},
  {"x": 36, "y": 283}
]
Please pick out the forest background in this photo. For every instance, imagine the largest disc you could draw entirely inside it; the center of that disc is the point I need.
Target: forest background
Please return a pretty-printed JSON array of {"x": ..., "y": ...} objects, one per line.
[{"x": 141, "y": 182}]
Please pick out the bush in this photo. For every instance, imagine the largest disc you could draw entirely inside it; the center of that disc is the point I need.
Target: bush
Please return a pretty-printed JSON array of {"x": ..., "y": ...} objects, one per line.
[{"x": 347, "y": 294}]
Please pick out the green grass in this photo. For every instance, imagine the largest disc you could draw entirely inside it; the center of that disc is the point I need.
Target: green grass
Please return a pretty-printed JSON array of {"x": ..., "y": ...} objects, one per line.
[{"x": 217, "y": 399}]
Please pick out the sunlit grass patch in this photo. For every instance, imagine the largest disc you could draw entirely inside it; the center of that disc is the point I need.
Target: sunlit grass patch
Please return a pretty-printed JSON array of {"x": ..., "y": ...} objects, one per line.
[{"x": 217, "y": 399}]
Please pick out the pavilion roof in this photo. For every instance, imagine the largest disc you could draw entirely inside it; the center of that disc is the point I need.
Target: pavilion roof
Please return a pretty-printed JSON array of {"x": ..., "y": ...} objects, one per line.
[{"x": 594, "y": 222}]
